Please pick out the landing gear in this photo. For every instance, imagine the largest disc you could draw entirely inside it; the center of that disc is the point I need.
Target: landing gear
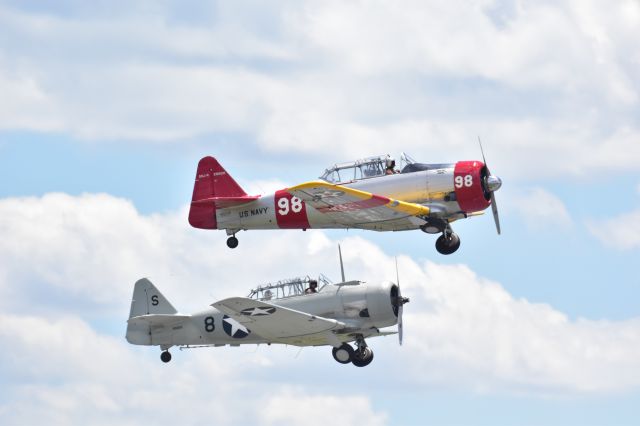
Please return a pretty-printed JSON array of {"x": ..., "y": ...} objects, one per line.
[
  {"x": 360, "y": 357},
  {"x": 165, "y": 356},
  {"x": 343, "y": 354},
  {"x": 448, "y": 242},
  {"x": 232, "y": 242},
  {"x": 363, "y": 355}
]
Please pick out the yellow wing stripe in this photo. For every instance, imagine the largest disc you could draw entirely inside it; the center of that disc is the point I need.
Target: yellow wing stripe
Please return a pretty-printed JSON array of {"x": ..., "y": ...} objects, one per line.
[{"x": 412, "y": 209}]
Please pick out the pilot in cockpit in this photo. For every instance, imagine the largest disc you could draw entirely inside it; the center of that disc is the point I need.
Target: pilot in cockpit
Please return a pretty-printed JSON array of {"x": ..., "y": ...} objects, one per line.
[
  {"x": 391, "y": 166},
  {"x": 313, "y": 287}
]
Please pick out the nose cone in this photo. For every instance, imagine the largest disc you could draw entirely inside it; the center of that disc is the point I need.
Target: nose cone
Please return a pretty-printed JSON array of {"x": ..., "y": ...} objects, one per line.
[{"x": 494, "y": 183}]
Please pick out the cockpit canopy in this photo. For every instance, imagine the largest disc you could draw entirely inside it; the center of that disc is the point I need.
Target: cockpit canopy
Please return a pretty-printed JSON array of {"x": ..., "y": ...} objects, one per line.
[
  {"x": 364, "y": 168},
  {"x": 287, "y": 288},
  {"x": 356, "y": 170}
]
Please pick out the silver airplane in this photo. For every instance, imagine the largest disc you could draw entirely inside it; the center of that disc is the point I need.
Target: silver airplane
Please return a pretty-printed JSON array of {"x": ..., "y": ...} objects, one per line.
[
  {"x": 367, "y": 194},
  {"x": 292, "y": 312}
]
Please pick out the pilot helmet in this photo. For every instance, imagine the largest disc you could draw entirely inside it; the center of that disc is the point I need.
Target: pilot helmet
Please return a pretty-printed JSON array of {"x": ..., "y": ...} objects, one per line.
[{"x": 391, "y": 162}]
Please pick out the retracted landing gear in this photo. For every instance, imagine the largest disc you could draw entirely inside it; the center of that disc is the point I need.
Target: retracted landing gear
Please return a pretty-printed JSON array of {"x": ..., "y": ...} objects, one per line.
[
  {"x": 165, "y": 356},
  {"x": 448, "y": 242},
  {"x": 360, "y": 357}
]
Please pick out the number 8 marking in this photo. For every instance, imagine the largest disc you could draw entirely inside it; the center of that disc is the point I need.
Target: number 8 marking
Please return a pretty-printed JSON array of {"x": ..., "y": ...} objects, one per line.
[{"x": 296, "y": 204}]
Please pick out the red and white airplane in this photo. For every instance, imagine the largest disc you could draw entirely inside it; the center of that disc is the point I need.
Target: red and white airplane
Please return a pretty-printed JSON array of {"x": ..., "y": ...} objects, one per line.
[{"x": 365, "y": 194}]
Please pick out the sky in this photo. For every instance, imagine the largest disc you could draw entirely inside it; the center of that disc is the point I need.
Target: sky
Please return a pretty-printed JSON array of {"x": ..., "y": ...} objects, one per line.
[{"x": 105, "y": 110}]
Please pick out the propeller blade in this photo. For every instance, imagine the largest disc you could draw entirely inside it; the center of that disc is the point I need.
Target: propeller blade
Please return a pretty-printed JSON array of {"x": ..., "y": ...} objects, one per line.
[
  {"x": 482, "y": 151},
  {"x": 400, "y": 325},
  {"x": 494, "y": 209}
]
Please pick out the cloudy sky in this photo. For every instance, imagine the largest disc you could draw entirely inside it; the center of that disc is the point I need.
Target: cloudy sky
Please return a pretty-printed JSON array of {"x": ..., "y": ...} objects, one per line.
[{"x": 105, "y": 109}]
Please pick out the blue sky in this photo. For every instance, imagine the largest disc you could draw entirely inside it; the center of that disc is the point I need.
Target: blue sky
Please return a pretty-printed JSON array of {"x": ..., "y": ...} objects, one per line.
[{"x": 105, "y": 111}]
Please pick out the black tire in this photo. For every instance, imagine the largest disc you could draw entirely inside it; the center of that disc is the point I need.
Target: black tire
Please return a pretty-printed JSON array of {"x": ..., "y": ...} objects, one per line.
[
  {"x": 165, "y": 356},
  {"x": 232, "y": 242},
  {"x": 449, "y": 245},
  {"x": 362, "y": 358},
  {"x": 343, "y": 354}
]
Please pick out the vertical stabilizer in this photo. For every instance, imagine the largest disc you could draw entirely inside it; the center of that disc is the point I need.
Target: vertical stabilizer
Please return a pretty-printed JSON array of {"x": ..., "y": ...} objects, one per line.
[
  {"x": 212, "y": 183},
  {"x": 147, "y": 299}
]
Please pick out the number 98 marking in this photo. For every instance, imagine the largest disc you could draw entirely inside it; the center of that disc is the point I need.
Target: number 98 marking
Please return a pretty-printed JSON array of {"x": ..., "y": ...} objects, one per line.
[
  {"x": 466, "y": 181},
  {"x": 285, "y": 207}
]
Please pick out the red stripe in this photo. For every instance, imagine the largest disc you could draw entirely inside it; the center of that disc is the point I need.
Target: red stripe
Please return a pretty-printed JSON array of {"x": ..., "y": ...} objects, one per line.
[{"x": 288, "y": 215}]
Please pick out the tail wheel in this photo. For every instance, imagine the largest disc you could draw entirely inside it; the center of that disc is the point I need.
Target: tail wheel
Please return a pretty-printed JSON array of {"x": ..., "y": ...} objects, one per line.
[
  {"x": 165, "y": 356},
  {"x": 343, "y": 354},
  {"x": 362, "y": 357},
  {"x": 448, "y": 244},
  {"x": 232, "y": 242}
]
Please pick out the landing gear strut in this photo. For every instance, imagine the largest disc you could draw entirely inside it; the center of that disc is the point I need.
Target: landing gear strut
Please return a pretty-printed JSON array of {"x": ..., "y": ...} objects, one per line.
[
  {"x": 165, "y": 356},
  {"x": 448, "y": 242}
]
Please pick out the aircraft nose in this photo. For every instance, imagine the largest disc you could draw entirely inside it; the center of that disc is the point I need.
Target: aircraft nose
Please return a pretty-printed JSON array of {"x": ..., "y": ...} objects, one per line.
[{"x": 494, "y": 183}]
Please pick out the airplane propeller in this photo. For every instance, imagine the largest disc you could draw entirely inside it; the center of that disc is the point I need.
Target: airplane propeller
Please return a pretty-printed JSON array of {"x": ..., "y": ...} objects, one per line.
[
  {"x": 491, "y": 184},
  {"x": 398, "y": 301}
]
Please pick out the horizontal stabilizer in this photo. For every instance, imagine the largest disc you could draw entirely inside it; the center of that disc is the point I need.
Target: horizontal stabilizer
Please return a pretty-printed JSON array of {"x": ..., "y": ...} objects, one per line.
[
  {"x": 158, "y": 320},
  {"x": 224, "y": 202}
]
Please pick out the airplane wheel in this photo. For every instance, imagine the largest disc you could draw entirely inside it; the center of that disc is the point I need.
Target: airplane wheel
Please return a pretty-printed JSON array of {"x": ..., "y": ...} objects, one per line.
[
  {"x": 449, "y": 245},
  {"x": 232, "y": 242},
  {"x": 362, "y": 358},
  {"x": 165, "y": 356},
  {"x": 343, "y": 354}
]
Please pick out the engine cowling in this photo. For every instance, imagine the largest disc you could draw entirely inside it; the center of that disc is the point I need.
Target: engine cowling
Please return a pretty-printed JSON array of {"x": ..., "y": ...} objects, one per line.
[
  {"x": 380, "y": 299},
  {"x": 469, "y": 186}
]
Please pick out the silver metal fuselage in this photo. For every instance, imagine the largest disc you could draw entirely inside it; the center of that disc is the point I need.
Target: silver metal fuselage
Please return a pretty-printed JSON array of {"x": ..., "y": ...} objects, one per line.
[{"x": 345, "y": 302}]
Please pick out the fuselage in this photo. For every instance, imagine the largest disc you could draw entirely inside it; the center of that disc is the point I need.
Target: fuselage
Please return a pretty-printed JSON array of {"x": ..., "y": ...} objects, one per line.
[
  {"x": 359, "y": 305},
  {"x": 451, "y": 191}
]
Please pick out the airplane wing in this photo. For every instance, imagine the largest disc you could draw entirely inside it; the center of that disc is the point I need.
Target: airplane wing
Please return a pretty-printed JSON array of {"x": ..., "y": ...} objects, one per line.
[
  {"x": 280, "y": 324},
  {"x": 356, "y": 208}
]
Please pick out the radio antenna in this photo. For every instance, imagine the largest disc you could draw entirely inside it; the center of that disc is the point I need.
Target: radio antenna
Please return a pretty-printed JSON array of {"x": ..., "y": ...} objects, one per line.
[{"x": 341, "y": 265}]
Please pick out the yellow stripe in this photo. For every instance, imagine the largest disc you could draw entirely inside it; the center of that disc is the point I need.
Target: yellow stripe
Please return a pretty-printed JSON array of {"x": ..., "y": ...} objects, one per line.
[{"x": 397, "y": 205}]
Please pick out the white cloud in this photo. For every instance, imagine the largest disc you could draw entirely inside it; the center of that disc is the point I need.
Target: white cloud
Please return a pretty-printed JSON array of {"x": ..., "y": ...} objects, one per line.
[
  {"x": 462, "y": 331},
  {"x": 64, "y": 372},
  {"x": 539, "y": 208},
  {"x": 621, "y": 232},
  {"x": 342, "y": 79},
  {"x": 293, "y": 407},
  {"x": 478, "y": 334}
]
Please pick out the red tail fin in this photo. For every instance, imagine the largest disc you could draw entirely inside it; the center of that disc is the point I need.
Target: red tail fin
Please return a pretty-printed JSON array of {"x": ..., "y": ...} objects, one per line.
[{"x": 214, "y": 187}]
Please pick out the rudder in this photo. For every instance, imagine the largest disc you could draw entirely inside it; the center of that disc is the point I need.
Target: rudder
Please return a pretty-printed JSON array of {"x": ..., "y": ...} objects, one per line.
[
  {"x": 147, "y": 299},
  {"x": 212, "y": 182}
]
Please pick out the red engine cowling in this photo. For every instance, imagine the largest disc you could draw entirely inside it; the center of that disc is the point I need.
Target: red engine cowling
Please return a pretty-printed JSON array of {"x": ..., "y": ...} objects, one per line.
[{"x": 468, "y": 183}]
